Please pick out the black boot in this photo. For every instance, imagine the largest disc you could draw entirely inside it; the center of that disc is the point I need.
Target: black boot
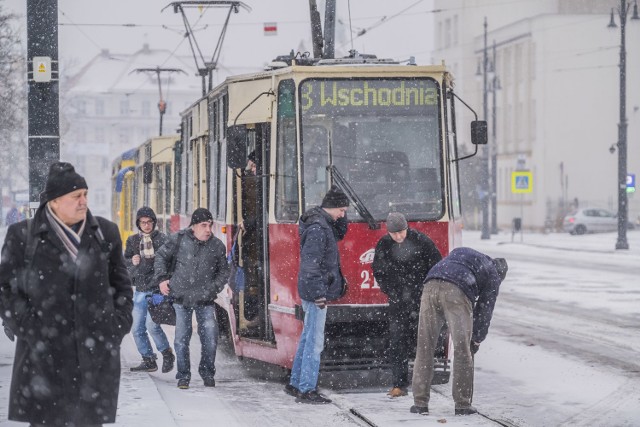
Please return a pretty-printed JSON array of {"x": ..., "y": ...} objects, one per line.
[
  {"x": 148, "y": 364},
  {"x": 167, "y": 360}
]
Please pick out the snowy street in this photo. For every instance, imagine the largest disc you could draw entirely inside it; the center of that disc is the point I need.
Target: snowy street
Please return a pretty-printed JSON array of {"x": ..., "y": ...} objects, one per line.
[{"x": 562, "y": 350}]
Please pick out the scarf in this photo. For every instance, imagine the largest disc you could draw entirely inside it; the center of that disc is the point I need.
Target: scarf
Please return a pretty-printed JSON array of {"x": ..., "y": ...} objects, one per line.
[
  {"x": 146, "y": 246},
  {"x": 70, "y": 239}
]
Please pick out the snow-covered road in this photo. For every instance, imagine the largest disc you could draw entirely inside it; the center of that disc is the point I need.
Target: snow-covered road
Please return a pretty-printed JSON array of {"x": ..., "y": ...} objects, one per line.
[{"x": 562, "y": 350}]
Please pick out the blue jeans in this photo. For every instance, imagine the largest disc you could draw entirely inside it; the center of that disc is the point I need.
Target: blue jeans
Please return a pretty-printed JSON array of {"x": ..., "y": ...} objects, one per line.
[
  {"x": 208, "y": 332},
  {"x": 306, "y": 364},
  {"x": 141, "y": 323}
]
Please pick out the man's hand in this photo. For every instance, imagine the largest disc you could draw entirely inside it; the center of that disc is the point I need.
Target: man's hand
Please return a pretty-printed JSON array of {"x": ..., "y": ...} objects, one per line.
[
  {"x": 164, "y": 287},
  {"x": 475, "y": 346},
  {"x": 321, "y": 303},
  {"x": 135, "y": 260}
]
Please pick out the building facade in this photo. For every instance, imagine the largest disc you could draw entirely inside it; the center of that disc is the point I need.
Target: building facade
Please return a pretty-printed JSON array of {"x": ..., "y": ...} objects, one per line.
[
  {"x": 109, "y": 107},
  {"x": 556, "y": 105}
]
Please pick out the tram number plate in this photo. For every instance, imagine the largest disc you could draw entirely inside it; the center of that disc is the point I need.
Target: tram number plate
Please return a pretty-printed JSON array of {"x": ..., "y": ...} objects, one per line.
[{"x": 367, "y": 277}]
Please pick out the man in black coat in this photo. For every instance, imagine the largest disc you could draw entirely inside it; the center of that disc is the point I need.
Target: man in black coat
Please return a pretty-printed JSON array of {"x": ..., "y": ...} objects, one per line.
[
  {"x": 402, "y": 259},
  {"x": 66, "y": 295},
  {"x": 139, "y": 255},
  {"x": 461, "y": 291}
]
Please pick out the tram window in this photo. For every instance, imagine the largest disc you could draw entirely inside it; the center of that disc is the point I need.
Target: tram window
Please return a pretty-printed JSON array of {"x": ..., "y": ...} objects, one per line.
[
  {"x": 385, "y": 139},
  {"x": 286, "y": 199},
  {"x": 315, "y": 156}
]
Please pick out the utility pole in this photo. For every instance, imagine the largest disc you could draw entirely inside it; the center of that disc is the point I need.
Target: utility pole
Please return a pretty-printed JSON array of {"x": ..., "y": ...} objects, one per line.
[
  {"x": 162, "y": 105},
  {"x": 206, "y": 67},
  {"x": 43, "y": 98},
  {"x": 623, "y": 206},
  {"x": 316, "y": 29},
  {"x": 485, "y": 235},
  {"x": 329, "y": 29}
]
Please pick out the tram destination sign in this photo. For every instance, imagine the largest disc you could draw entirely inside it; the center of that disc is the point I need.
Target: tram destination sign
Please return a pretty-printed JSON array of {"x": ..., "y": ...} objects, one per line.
[{"x": 394, "y": 96}]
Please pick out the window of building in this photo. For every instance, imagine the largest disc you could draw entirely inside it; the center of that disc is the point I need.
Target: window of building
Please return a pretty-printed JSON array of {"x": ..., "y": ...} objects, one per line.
[
  {"x": 124, "y": 107},
  {"x": 99, "y": 107},
  {"x": 146, "y": 108}
]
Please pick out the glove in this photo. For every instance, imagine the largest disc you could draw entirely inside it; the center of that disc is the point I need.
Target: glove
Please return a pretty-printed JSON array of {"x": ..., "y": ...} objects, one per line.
[
  {"x": 8, "y": 332},
  {"x": 475, "y": 346},
  {"x": 321, "y": 303}
]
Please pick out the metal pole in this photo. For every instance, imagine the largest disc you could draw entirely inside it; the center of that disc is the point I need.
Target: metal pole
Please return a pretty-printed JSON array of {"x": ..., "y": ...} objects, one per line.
[
  {"x": 43, "y": 97},
  {"x": 485, "y": 158},
  {"x": 622, "y": 243},
  {"x": 494, "y": 150},
  {"x": 329, "y": 29}
]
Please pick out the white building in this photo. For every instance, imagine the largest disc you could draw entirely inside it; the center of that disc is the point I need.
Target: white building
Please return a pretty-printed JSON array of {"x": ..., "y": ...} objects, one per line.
[
  {"x": 558, "y": 107},
  {"x": 109, "y": 107}
]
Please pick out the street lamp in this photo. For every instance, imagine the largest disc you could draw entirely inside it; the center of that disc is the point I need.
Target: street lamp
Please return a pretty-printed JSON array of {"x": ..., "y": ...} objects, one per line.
[
  {"x": 485, "y": 235},
  {"x": 494, "y": 87},
  {"x": 622, "y": 243}
]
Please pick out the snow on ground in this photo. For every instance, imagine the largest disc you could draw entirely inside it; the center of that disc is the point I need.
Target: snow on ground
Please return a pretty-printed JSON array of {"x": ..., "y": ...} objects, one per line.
[{"x": 562, "y": 350}]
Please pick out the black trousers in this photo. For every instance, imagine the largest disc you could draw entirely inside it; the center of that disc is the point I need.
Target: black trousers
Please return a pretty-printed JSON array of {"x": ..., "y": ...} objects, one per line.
[{"x": 403, "y": 331}]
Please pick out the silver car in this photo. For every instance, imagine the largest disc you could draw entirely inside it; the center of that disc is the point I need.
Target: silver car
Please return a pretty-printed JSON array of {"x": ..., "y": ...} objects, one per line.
[{"x": 590, "y": 220}]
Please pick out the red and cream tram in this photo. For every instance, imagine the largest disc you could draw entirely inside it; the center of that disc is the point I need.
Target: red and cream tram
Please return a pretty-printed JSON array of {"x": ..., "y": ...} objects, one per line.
[{"x": 382, "y": 131}]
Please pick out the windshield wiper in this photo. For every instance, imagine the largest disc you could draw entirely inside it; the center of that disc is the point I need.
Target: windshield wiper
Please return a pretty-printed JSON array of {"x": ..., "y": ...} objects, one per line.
[{"x": 353, "y": 196}]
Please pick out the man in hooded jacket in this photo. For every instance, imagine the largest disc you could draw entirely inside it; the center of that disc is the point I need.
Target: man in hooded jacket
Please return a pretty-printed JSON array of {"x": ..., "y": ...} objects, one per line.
[
  {"x": 66, "y": 295},
  {"x": 319, "y": 280},
  {"x": 139, "y": 254}
]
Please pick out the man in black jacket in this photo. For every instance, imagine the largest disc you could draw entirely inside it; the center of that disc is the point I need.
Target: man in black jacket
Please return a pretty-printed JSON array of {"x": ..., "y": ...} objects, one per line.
[
  {"x": 402, "y": 259},
  {"x": 66, "y": 295},
  {"x": 460, "y": 290},
  {"x": 139, "y": 254},
  {"x": 200, "y": 273}
]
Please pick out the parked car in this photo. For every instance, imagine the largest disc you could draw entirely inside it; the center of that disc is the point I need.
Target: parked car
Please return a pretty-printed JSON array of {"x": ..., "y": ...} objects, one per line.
[{"x": 591, "y": 220}]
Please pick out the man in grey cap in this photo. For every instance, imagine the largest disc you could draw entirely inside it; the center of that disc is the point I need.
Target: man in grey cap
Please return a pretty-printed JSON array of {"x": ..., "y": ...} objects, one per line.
[
  {"x": 402, "y": 259},
  {"x": 460, "y": 290}
]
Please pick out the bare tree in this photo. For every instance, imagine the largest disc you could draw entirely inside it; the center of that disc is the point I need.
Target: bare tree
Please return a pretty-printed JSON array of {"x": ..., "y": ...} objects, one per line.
[{"x": 13, "y": 106}]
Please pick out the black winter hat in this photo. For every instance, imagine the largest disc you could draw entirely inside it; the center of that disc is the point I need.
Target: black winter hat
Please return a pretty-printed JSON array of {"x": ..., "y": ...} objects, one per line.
[
  {"x": 200, "y": 215},
  {"x": 62, "y": 179},
  {"x": 501, "y": 266},
  {"x": 335, "y": 198},
  {"x": 149, "y": 213}
]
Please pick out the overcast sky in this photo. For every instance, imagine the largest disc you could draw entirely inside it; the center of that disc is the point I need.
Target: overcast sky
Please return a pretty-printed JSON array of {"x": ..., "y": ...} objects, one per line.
[{"x": 394, "y": 29}]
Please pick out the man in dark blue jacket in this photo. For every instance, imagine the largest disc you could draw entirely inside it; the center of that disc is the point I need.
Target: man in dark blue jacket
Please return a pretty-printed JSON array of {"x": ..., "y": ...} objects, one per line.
[
  {"x": 460, "y": 290},
  {"x": 319, "y": 280}
]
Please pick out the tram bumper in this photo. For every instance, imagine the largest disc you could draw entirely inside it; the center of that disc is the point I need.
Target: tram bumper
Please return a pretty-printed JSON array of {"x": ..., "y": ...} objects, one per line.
[{"x": 357, "y": 338}]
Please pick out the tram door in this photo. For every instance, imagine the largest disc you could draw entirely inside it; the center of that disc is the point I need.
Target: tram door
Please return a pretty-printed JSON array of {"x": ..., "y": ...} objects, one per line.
[{"x": 252, "y": 212}]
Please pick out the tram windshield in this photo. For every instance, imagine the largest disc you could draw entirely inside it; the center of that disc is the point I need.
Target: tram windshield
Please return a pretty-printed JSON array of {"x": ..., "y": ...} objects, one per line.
[{"x": 382, "y": 135}]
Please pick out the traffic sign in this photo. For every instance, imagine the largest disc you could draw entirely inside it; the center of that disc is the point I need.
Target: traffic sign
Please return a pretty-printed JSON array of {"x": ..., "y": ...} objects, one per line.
[
  {"x": 631, "y": 183},
  {"x": 521, "y": 182}
]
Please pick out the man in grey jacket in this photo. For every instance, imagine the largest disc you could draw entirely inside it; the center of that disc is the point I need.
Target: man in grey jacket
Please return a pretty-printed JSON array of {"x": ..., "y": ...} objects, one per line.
[{"x": 200, "y": 273}]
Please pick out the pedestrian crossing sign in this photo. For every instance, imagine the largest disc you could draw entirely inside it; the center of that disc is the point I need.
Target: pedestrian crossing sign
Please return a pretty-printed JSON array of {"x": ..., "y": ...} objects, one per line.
[{"x": 521, "y": 182}]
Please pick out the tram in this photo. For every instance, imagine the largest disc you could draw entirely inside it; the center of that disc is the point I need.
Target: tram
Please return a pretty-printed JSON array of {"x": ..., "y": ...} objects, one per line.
[{"x": 382, "y": 131}]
